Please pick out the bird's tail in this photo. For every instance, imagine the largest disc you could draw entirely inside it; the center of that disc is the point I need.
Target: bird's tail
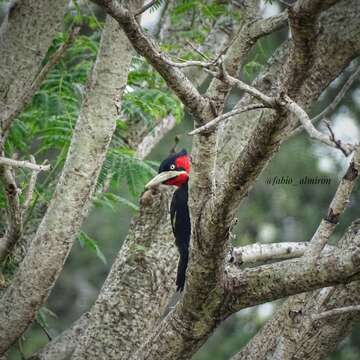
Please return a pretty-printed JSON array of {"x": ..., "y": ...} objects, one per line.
[{"x": 181, "y": 271}]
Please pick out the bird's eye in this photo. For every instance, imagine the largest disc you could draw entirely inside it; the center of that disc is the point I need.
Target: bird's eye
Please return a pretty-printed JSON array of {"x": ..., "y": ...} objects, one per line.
[{"x": 172, "y": 167}]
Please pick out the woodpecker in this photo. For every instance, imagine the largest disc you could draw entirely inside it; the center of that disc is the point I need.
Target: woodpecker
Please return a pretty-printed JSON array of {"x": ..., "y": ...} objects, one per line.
[{"x": 175, "y": 170}]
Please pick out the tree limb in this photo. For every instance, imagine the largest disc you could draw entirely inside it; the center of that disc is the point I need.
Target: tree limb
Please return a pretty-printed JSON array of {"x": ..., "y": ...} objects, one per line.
[
  {"x": 24, "y": 42},
  {"x": 335, "y": 102},
  {"x": 336, "y": 208},
  {"x": 23, "y": 164},
  {"x": 255, "y": 253},
  {"x": 336, "y": 312},
  {"x": 289, "y": 277},
  {"x": 293, "y": 333},
  {"x": 214, "y": 122},
  {"x": 53, "y": 240},
  {"x": 40, "y": 77},
  {"x": 155, "y": 135},
  {"x": 303, "y": 22},
  {"x": 176, "y": 80}
]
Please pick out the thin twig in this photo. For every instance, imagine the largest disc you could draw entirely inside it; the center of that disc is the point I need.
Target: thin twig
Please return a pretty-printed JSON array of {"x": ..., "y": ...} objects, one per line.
[
  {"x": 190, "y": 63},
  {"x": 333, "y": 139},
  {"x": 232, "y": 81},
  {"x": 294, "y": 108},
  {"x": 23, "y": 164},
  {"x": 333, "y": 105},
  {"x": 226, "y": 116},
  {"x": 197, "y": 50},
  {"x": 145, "y": 7},
  {"x": 44, "y": 329}
]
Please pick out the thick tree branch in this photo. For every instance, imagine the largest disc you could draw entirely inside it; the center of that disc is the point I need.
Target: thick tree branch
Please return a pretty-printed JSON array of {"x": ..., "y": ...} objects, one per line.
[
  {"x": 25, "y": 36},
  {"x": 270, "y": 282},
  {"x": 255, "y": 253},
  {"x": 336, "y": 208},
  {"x": 336, "y": 312},
  {"x": 22, "y": 101},
  {"x": 53, "y": 240},
  {"x": 117, "y": 326},
  {"x": 176, "y": 80},
  {"x": 303, "y": 22},
  {"x": 293, "y": 333}
]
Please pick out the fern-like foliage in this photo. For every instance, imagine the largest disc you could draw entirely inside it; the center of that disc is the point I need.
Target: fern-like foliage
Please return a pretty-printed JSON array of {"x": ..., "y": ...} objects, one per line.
[{"x": 45, "y": 127}]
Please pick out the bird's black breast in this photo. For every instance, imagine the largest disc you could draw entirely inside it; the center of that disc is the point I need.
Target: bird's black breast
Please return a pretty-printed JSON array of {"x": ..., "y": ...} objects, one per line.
[{"x": 180, "y": 219}]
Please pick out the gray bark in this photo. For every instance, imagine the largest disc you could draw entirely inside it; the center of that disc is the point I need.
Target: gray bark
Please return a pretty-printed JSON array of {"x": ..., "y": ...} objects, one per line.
[
  {"x": 210, "y": 294},
  {"x": 63, "y": 345},
  {"x": 307, "y": 338},
  {"x": 25, "y": 36},
  {"x": 138, "y": 287},
  {"x": 185, "y": 329},
  {"x": 53, "y": 240},
  {"x": 191, "y": 322}
]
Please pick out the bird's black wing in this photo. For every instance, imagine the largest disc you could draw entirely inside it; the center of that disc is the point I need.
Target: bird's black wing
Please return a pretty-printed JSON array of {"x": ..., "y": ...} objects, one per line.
[
  {"x": 180, "y": 221},
  {"x": 173, "y": 213}
]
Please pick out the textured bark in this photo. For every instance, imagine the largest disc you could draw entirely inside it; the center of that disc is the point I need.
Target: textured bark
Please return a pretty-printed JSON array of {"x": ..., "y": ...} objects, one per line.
[
  {"x": 328, "y": 63},
  {"x": 209, "y": 294},
  {"x": 153, "y": 138},
  {"x": 270, "y": 282},
  {"x": 195, "y": 317},
  {"x": 143, "y": 146},
  {"x": 25, "y": 36},
  {"x": 308, "y": 338},
  {"x": 53, "y": 240},
  {"x": 198, "y": 105},
  {"x": 138, "y": 287},
  {"x": 63, "y": 345},
  {"x": 258, "y": 253}
]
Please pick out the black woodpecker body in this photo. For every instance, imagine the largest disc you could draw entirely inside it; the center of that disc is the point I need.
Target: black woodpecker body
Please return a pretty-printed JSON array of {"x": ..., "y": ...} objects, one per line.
[{"x": 175, "y": 170}]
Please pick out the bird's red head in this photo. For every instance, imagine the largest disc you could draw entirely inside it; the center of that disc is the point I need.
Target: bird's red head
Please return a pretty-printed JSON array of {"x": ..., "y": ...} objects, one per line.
[{"x": 174, "y": 170}]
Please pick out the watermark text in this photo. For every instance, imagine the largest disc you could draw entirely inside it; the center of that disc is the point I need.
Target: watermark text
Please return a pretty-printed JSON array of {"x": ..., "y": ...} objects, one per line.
[{"x": 305, "y": 180}]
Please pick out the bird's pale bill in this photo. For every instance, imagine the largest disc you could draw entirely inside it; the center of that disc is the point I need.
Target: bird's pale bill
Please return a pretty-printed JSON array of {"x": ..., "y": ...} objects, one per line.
[{"x": 162, "y": 177}]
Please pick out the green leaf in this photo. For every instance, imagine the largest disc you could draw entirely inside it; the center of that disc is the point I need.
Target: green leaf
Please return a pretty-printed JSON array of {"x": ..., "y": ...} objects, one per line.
[
  {"x": 112, "y": 200},
  {"x": 89, "y": 243}
]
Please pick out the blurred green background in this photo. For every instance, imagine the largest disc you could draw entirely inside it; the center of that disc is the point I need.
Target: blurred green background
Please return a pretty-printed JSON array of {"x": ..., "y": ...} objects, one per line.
[{"x": 271, "y": 213}]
